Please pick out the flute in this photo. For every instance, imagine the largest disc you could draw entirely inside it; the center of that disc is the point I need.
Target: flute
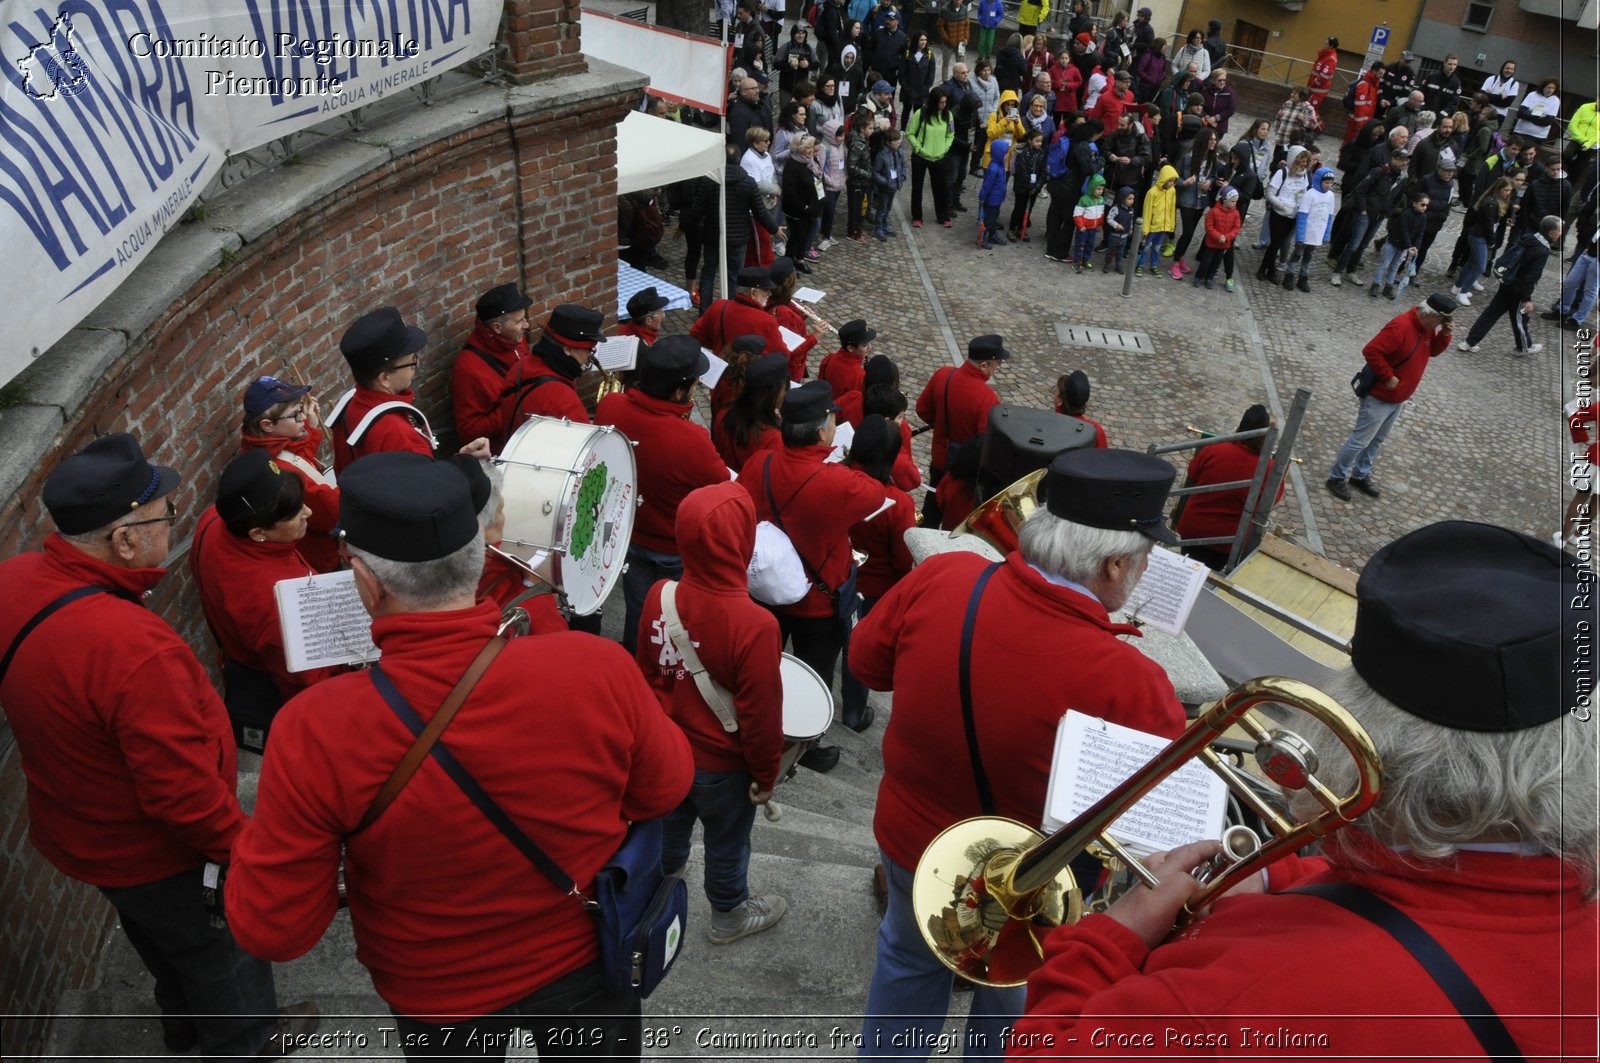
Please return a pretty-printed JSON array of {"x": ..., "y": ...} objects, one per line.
[{"x": 813, "y": 315}]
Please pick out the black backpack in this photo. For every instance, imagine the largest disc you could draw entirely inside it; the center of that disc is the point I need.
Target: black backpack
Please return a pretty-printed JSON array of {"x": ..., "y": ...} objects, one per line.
[{"x": 1349, "y": 100}]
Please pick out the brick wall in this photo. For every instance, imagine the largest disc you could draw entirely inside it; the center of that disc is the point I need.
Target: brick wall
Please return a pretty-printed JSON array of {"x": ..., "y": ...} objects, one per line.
[
  {"x": 521, "y": 199},
  {"x": 544, "y": 39}
]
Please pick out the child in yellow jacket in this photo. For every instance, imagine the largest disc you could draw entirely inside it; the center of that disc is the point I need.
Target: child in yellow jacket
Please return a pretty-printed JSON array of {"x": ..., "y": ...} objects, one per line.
[{"x": 1160, "y": 218}]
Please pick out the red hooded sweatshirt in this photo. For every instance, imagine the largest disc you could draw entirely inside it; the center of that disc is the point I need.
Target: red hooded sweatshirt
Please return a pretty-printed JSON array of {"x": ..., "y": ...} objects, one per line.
[{"x": 737, "y": 640}]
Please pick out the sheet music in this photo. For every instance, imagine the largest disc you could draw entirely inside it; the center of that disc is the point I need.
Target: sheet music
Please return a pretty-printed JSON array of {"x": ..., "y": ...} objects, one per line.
[
  {"x": 791, "y": 340},
  {"x": 843, "y": 435},
  {"x": 323, "y": 621},
  {"x": 719, "y": 365},
  {"x": 617, "y": 353},
  {"x": 1167, "y": 590},
  {"x": 1093, "y": 756},
  {"x": 808, "y": 295}
]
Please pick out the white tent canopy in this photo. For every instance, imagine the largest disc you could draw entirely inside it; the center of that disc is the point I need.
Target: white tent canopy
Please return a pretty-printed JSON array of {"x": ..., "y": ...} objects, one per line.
[{"x": 655, "y": 151}]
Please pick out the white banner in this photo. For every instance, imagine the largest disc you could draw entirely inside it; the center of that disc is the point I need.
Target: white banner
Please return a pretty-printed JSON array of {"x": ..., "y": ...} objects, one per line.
[
  {"x": 115, "y": 114},
  {"x": 682, "y": 67}
]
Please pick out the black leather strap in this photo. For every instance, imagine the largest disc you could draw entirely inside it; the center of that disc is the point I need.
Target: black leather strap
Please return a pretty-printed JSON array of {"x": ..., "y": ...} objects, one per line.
[
  {"x": 469, "y": 786},
  {"x": 1480, "y": 1017},
  {"x": 488, "y": 359},
  {"x": 40, "y": 617},
  {"x": 985, "y": 795}
]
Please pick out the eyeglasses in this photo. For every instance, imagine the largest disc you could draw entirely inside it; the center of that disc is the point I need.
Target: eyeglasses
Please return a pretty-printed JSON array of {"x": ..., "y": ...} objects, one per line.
[
  {"x": 172, "y": 515},
  {"x": 294, "y": 415},
  {"x": 404, "y": 365}
]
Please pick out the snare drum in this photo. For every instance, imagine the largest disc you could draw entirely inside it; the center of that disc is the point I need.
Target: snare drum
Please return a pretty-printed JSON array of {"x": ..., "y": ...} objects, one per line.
[
  {"x": 807, "y": 709},
  {"x": 570, "y": 499}
]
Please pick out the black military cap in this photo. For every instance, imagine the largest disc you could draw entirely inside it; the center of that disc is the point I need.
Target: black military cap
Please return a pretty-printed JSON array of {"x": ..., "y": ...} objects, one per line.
[
  {"x": 767, "y": 371},
  {"x": 405, "y": 507},
  {"x": 855, "y": 333},
  {"x": 572, "y": 325},
  {"x": 479, "y": 485},
  {"x": 249, "y": 487},
  {"x": 674, "y": 358},
  {"x": 749, "y": 343},
  {"x": 755, "y": 277},
  {"x": 987, "y": 349},
  {"x": 1121, "y": 490},
  {"x": 782, "y": 269},
  {"x": 105, "y": 480},
  {"x": 378, "y": 338},
  {"x": 811, "y": 401},
  {"x": 644, "y": 302},
  {"x": 1076, "y": 391},
  {"x": 500, "y": 300},
  {"x": 1473, "y": 627},
  {"x": 880, "y": 369}
]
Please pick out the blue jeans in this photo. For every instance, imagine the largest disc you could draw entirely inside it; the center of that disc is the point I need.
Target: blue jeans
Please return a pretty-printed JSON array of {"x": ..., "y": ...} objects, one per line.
[
  {"x": 573, "y": 1016},
  {"x": 853, "y": 693},
  {"x": 1356, "y": 242},
  {"x": 1150, "y": 254},
  {"x": 1579, "y": 289},
  {"x": 645, "y": 567},
  {"x": 991, "y": 220},
  {"x": 909, "y": 998},
  {"x": 1394, "y": 267},
  {"x": 1477, "y": 262},
  {"x": 1116, "y": 243},
  {"x": 1083, "y": 245},
  {"x": 1360, "y": 451},
  {"x": 205, "y": 983},
  {"x": 882, "y": 201},
  {"x": 720, "y": 800}
]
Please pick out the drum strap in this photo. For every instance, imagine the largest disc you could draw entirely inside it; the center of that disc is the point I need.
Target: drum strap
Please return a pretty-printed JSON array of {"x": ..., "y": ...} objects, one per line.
[
  {"x": 981, "y": 777},
  {"x": 1464, "y": 994},
  {"x": 717, "y": 698},
  {"x": 311, "y": 471},
  {"x": 389, "y": 407}
]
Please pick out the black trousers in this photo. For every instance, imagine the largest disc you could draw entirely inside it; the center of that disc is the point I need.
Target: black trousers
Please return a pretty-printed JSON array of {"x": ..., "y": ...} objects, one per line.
[
  {"x": 936, "y": 173},
  {"x": 1058, "y": 222},
  {"x": 1191, "y": 222},
  {"x": 573, "y": 1017},
  {"x": 816, "y": 640},
  {"x": 1281, "y": 232}
]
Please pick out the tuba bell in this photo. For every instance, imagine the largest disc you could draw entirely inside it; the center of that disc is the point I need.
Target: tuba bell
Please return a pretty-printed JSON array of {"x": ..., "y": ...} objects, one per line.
[
  {"x": 998, "y": 520},
  {"x": 988, "y": 889}
]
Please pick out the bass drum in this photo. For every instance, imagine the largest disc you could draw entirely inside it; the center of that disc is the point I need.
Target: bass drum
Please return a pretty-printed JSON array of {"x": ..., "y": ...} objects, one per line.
[
  {"x": 807, "y": 710},
  {"x": 570, "y": 496}
]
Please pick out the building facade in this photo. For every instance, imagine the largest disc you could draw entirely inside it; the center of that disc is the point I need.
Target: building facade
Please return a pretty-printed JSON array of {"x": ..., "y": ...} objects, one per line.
[{"x": 1547, "y": 38}]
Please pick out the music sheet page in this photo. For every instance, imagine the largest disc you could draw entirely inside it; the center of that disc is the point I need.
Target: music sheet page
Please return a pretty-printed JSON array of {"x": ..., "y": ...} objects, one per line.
[
  {"x": 1093, "y": 756},
  {"x": 617, "y": 353},
  {"x": 323, "y": 621},
  {"x": 1167, "y": 590}
]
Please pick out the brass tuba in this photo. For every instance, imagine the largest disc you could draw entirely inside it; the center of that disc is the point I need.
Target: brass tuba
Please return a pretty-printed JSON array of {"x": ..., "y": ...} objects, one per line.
[
  {"x": 988, "y": 889},
  {"x": 998, "y": 520}
]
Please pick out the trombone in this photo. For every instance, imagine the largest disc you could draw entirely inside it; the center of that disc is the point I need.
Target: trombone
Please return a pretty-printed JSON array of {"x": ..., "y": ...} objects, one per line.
[{"x": 988, "y": 889}]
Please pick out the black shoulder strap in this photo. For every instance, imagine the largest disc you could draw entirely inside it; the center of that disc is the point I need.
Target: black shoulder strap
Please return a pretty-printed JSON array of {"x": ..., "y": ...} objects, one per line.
[
  {"x": 527, "y": 387},
  {"x": 469, "y": 786},
  {"x": 488, "y": 359},
  {"x": 40, "y": 617},
  {"x": 985, "y": 795},
  {"x": 1440, "y": 965}
]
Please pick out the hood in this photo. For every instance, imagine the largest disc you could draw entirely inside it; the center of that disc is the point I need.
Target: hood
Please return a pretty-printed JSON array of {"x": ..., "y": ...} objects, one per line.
[
  {"x": 1124, "y": 192},
  {"x": 1292, "y": 154},
  {"x": 998, "y": 149},
  {"x": 1319, "y": 175},
  {"x": 847, "y": 54},
  {"x": 1009, "y": 94},
  {"x": 716, "y": 531},
  {"x": 1213, "y": 26},
  {"x": 1096, "y": 183},
  {"x": 1168, "y": 173},
  {"x": 831, "y": 127}
]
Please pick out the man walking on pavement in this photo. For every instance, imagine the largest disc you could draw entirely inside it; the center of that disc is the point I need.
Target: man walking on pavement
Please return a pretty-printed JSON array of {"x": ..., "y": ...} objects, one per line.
[{"x": 1398, "y": 356}]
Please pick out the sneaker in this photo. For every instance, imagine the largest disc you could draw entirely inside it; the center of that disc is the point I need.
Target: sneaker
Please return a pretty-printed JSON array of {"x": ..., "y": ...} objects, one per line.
[
  {"x": 1365, "y": 487},
  {"x": 1138, "y": 271},
  {"x": 916, "y": 223},
  {"x": 1077, "y": 267},
  {"x": 881, "y": 235},
  {"x": 1373, "y": 291},
  {"x": 887, "y": 231},
  {"x": 825, "y": 244},
  {"x": 1048, "y": 257},
  {"x": 752, "y": 917},
  {"x": 1571, "y": 324},
  {"x": 961, "y": 208},
  {"x": 1552, "y": 315},
  {"x": 1208, "y": 285},
  {"x": 820, "y": 759},
  {"x": 1288, "y": 282},
  {"x": 1177, "y": 274},
  {"x": 1468, "y": 348},
  {"x": 1339, "y": 489},
  {"x": 1182, "y": 265},
  {"x": 296, "y": 1022},
  {"x": 813, "y": 255},
  {"x": 1463, "y": 299},
  {"x": 1477, "y": 286},
  {"x": 1227, "y": 285},
  {"x": 1168, "y": 249},
  {"x": 1351, "y": 278},
  {"x": 1086, "y": 265},
  {"x": 1304, "y": 283},
  {"x": 1333, "y": 263},
  {"x": 1389, "y": 292},
  {"x": 997, "y": 240},
  {"x": 1532, "y": 348},
  {"x": 947, "y": 223},
  {"x": 1335, "y": 280}
]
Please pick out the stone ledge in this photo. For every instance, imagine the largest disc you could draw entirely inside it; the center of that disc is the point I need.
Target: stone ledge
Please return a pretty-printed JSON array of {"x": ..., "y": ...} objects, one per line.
[{"x": 50, "y": 393}]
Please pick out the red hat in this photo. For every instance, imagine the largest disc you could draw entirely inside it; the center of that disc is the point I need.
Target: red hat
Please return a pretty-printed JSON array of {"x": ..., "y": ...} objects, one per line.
[{"x": 1085, "y": 38}]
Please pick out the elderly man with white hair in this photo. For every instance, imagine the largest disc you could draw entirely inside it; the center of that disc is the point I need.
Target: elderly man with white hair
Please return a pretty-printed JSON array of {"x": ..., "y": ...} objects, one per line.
[
  {"x": 1456, "y": 918},
  {"x": 984, "y": 660}
]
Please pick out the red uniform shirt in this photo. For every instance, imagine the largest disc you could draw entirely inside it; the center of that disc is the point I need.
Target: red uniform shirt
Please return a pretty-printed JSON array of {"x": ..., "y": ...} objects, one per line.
[
  {"x": 396, "y": 430},
  {"x": 235, "y": 578},
  {"x": 1038, "y": 650},
  {"x": 503, "y": 580},
  {"x": 527, "y": 395},
  {"x": 1517, "y": 925},
  {"x": 322, "y": 496},
  {"x": 906, "y": 475},
  {"x": 883, "y": 540},
  {"x": 476, "y": 378},
  {"x": 449, "y": 919},
  {"x": 1402, "y": 349},
  {"x": 674, "y": 456},
  {"x": 1218, "y": 513},
  {"x": 820, "y": 501},
  {"x": 126, "y": 747},
  {"x": 727, "y": 319},
  {"x": 737, "y": 640},
  {"x": 847, "y": 372},
  {"x": 790, "y": 318},
  {"x": 956, "y": 402},
  {"x": 769, "y": 438}
]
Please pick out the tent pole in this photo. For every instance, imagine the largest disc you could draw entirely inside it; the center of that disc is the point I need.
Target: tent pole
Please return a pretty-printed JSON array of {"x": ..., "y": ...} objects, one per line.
[{"x": 722, "y": 191}]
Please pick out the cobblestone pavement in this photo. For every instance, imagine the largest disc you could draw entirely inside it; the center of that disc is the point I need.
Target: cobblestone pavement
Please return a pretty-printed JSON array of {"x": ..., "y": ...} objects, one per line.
[{"x": 1483, "y": 439}]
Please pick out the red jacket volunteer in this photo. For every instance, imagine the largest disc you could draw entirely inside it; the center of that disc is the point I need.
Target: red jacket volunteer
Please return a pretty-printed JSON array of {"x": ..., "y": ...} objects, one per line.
[
  {"x": 737, "y": 640},
  {"x": 1039, "y": 650},
  {"x": 957, "y": 400},
  {"x": 1402, "y": 349}
]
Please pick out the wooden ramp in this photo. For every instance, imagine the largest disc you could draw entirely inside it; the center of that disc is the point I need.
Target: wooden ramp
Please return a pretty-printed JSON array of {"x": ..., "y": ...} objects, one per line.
[{"x": 1305, "y": 584}]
